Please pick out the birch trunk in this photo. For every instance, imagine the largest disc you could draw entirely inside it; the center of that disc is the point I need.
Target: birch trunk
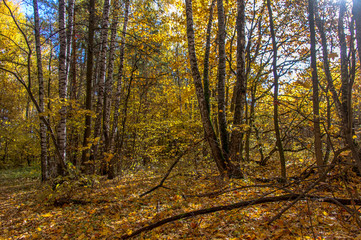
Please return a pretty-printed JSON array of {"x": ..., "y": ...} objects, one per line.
[
  {"x": 43, "y": 138},
  {"x": 62, "y": 87},
  {"x": 102, "y": 73}
]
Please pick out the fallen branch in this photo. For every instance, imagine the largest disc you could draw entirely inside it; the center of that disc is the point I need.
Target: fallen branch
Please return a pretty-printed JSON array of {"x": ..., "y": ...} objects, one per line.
[
  {"x": 171, "y": 168},
  {"x": 323, "y": 175},
  {"x": 287, "y": 197},
  {"x": 222, "y": 191}
]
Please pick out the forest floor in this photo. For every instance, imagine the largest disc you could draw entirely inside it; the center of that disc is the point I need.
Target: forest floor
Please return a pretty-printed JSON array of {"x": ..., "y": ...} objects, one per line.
[{"x": 112, "y": 209}]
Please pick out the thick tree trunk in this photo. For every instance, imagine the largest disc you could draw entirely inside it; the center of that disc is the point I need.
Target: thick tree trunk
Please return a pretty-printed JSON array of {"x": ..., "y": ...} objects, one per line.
[
  {"x": 222, "y": 121},
  {"x": 89, "y": 78},
  {"x": 315, "y": 98},
  {"x": 275, "y": 96},
  {"x": 240, "y": 88},
  {"x": 43, "y": 138},
  {"x": 62, "y": 87}
]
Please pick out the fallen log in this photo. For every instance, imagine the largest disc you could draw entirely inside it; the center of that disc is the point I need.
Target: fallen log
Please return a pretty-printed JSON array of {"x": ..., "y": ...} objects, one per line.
[{"x": 247, "y": 203}]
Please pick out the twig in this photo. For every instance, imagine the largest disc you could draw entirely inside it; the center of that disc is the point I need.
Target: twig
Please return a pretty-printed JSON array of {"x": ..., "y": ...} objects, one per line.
[
  {"x": 171, "y": 168},
  {"x": 303, "y": 194},
  {"x": 222, "y": 191}
]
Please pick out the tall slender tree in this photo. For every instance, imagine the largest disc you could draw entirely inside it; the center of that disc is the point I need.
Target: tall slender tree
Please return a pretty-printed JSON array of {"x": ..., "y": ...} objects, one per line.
[
  {"x": 315, "y": 97},
  {"x": 356, "y": 11},
  {"x": 43, "y": 138},
  {"x": 225, "y": 167},
  {"x": 62, "y": 72},
  {"x": 240, "y": 88},
  {"x": 89, "y": 78},
  {"x": 110, "y": 79},
  {"x": 275, "y": 94},
  {"x": 222, "y": 121},
  {"x": 102, "y": 74},
  {"x": 206, "y": 57},
  {"x": 112, "y": 170}
]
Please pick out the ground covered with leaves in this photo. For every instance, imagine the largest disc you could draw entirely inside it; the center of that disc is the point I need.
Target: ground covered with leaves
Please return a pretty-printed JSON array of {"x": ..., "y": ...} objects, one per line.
[{"x": 96, "y": 208}]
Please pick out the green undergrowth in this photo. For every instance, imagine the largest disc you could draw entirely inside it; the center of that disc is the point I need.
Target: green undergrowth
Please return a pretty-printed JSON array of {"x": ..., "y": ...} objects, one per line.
[{"x": 31, "y": 172}]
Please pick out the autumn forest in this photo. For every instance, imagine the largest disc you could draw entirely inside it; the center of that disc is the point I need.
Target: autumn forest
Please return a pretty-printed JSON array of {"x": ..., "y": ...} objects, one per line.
[{"x": 180, "y": 119}]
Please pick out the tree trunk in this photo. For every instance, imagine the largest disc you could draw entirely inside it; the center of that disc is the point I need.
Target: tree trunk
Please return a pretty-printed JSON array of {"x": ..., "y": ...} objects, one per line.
[
  {"x": 206, "y": 58},
  {"x": 69, "y": 33},
  {"x": 343, "y": 105},
  {"x": 240, "y": 88},
  {"x": 315, "y": 100},
  {"x": 102, "y": 74},
  {"x": 89, "y": 78},
  {"x": 223, "y": 164},
  {"x": 43, "y": 138},
  {"x": 61, "y": 130},
  {"x": 275, "y": 96},
  {"x": 346, "y": 89},
  {"x": 109, "y": 79},
  {"x": 222, "y": 121},
  {"x": 112, "y": 165},
  {"x": 357, "y": 16}
]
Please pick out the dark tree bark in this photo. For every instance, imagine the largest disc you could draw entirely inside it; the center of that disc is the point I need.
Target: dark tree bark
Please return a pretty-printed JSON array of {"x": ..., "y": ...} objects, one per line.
[
  {"x": 343, "y": 104},
  {"x": 222, "y": 121},
  {"x": 346, "y": 89},
  {"x": 240, "y": 88},
  {"x": 89, "y": 78},
  {"x": 206, "y": 57},
  {"x": 102, "y": 74},
  {"x": 275, "y": 95},
  {"x": 109, "y": 80},
  {"x": 223, "y": 164},
  {"x": 357, "y": 16},
  {"x": 112, "y": 172},
  {"x": 61, "y": 130},
  {"x": 315, "y": 97}
]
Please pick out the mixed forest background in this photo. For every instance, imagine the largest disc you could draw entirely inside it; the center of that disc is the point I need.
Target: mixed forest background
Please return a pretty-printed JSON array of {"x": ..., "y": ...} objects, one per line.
[
  {"x": 250, "y": 91},
  {"x": 98, "y": 87}
]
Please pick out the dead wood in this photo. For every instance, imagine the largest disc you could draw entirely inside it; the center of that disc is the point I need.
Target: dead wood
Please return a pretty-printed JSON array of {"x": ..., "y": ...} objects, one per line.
[
  {"x": 247, "y": 203},
  {"x": 171, "y": 168}
]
